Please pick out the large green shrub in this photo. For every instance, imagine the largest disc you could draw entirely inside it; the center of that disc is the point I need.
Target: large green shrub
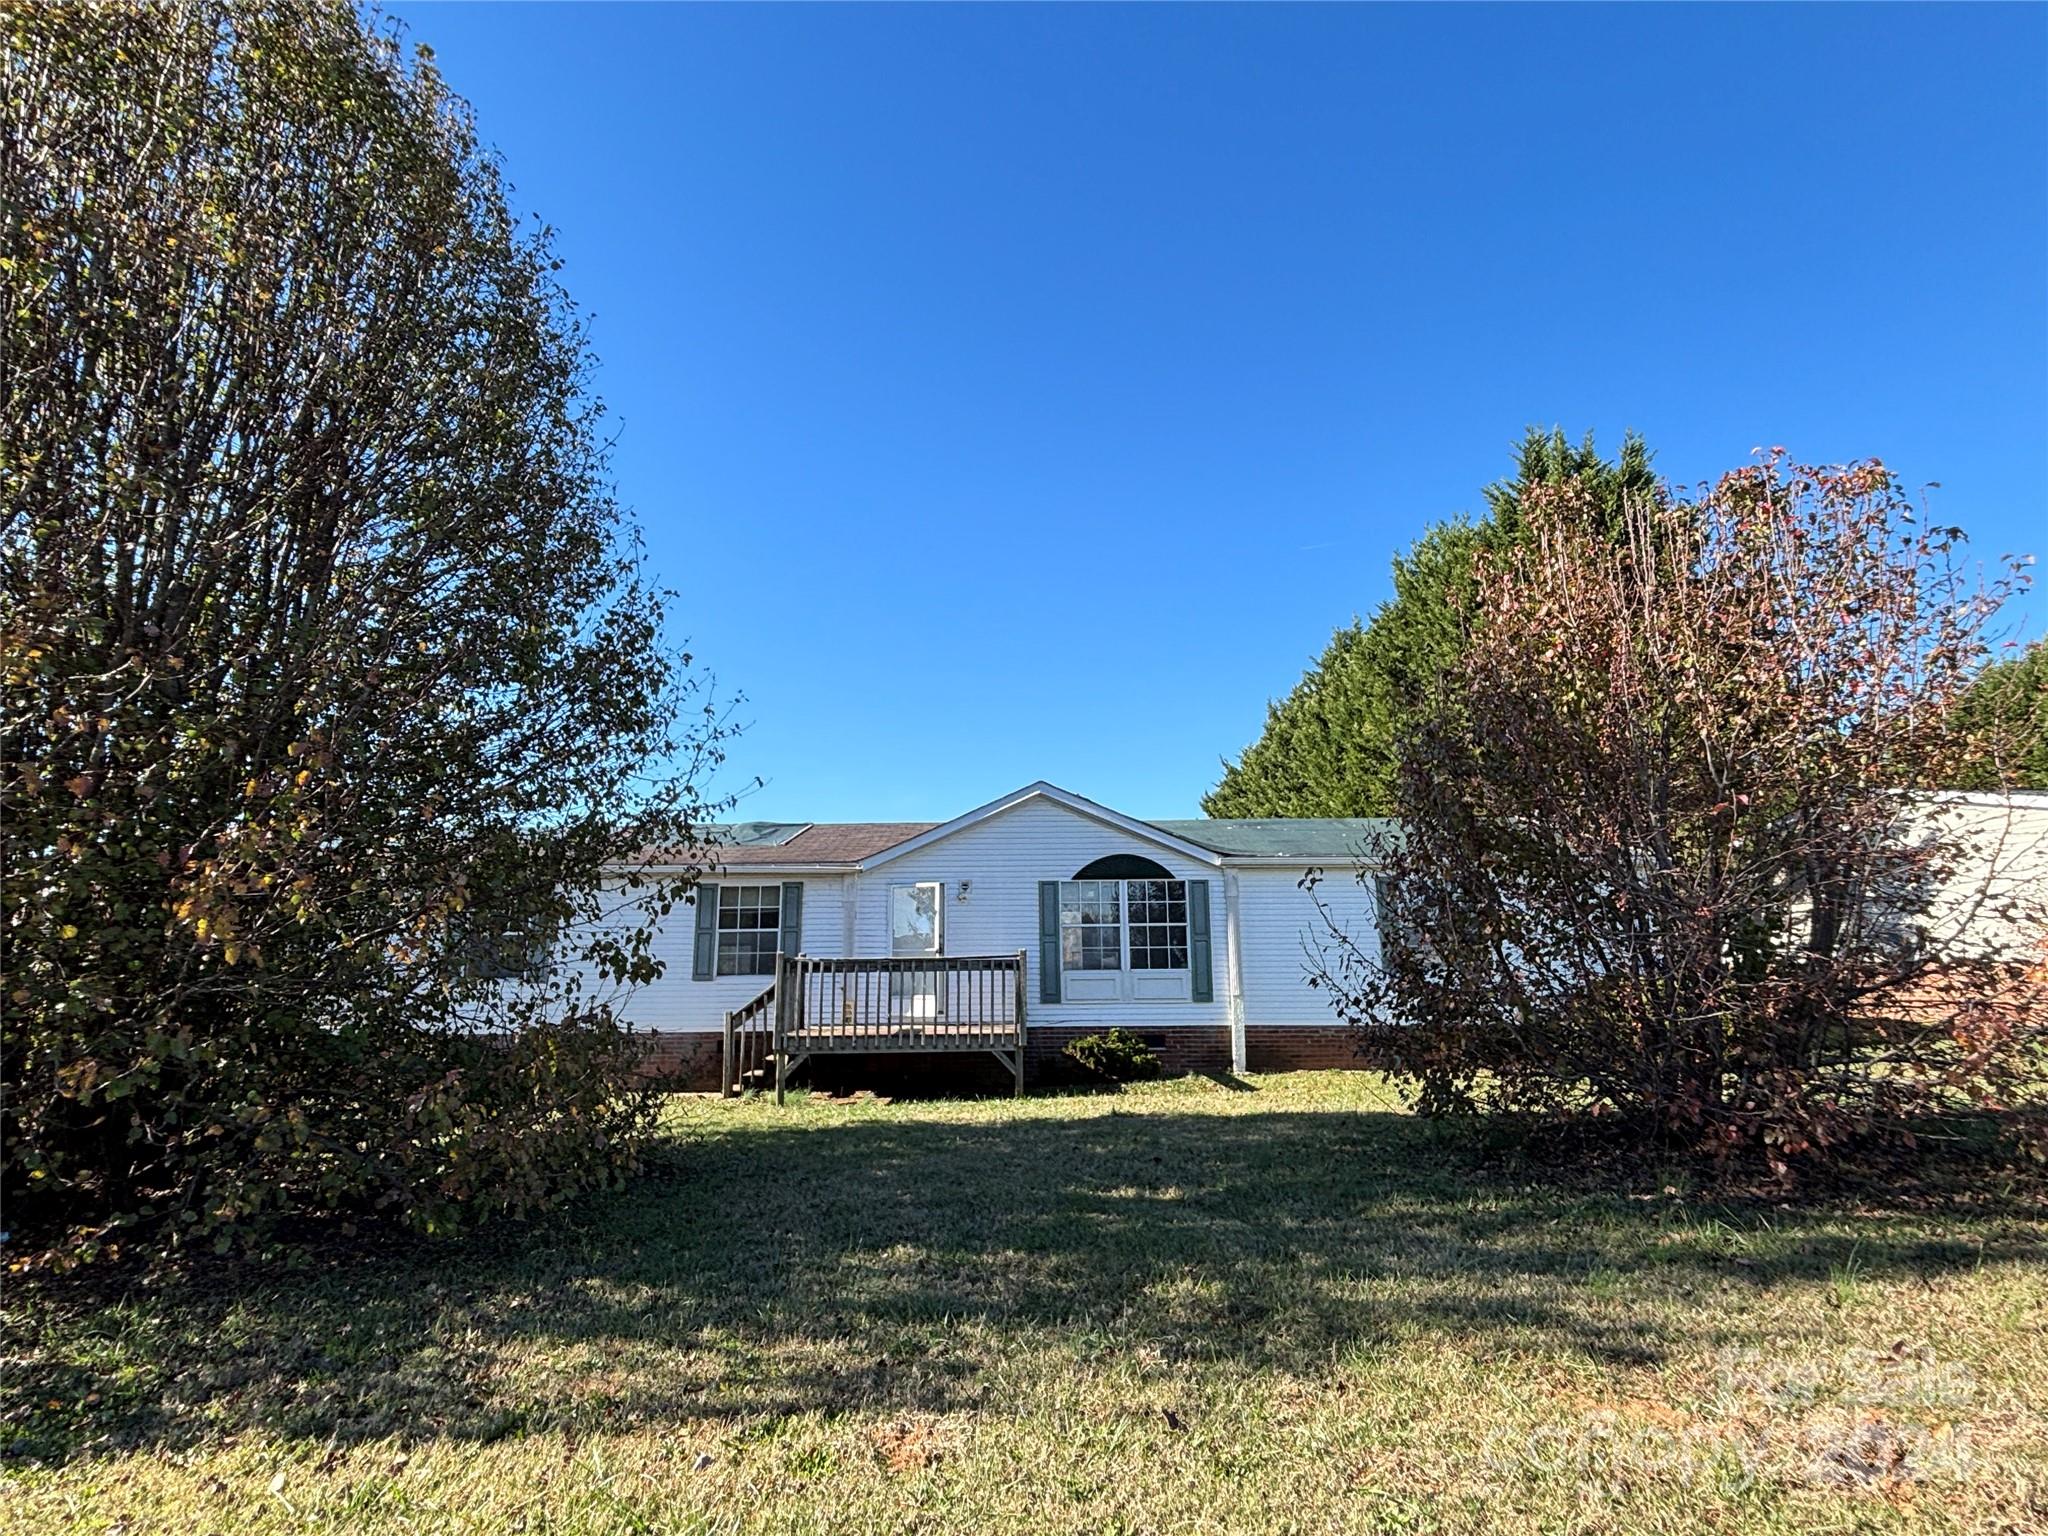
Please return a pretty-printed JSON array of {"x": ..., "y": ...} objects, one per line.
[
  {"x": 331, "y": 685},
  {"x": 2006, "y": 711}
]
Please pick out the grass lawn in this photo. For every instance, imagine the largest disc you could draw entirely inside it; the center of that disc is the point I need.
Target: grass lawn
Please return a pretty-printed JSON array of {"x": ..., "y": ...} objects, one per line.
[{"x": 1280, "y": 1305}]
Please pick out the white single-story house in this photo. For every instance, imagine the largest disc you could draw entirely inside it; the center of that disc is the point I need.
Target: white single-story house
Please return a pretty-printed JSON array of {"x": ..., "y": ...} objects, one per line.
[
  {"x": 1043, "y": 916},
  {"x": 1198, "y": 935}
]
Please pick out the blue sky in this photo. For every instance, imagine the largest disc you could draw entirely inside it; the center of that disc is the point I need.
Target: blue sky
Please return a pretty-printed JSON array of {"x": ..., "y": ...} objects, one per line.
[{"x": 1027, "y": 393}]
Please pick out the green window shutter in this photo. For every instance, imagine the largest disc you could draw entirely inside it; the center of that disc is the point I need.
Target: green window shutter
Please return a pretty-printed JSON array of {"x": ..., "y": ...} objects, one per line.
[
  {"x": 704, "y": 955},
  {"x": 791, "y": 939},
  {"x": 1048, "y": 941},
  {"x": 1201, "y": 979}
]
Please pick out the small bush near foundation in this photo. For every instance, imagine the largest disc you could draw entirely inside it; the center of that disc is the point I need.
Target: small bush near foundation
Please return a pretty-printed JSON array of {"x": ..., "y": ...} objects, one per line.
[{"x": 1119, "y": 1056}]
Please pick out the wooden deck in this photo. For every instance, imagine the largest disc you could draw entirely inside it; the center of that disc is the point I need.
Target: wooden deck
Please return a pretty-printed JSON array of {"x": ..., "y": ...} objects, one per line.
[{"x": 817, "y": 1006}]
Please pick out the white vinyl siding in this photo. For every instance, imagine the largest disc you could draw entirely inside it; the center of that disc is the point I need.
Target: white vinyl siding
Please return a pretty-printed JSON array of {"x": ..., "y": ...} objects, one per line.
[
  {"x": 989, "y": 875},
  {"x": 983, "y": 881},
  {"x": 1994, "y": 904},
  {"x": 678, "y": 1003},
  {"x": 991, "y": 872},
  {"x": 1285, "y": 937}
]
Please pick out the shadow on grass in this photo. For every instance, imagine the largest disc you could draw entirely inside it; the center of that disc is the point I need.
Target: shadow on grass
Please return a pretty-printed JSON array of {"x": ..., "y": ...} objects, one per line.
[{"x": 776, "y": 1265}]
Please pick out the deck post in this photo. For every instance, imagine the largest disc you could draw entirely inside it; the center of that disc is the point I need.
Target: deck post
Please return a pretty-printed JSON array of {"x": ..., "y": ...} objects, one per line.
[
  {"x": 725, "y": 1081},
  {"x": 1020, "y": 1024},
  {"x": 783, "y": 989}
]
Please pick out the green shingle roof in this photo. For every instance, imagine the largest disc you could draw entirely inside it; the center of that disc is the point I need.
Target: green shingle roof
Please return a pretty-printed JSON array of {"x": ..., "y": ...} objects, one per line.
[{"x": 1284, "y": 837}]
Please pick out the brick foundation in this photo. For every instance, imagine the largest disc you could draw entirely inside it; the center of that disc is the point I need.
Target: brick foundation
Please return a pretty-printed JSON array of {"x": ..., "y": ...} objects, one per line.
[
  {"x": 685, "y": 1062},
  {"x": 1301, "y": 1048},
  {"x": 690, "y": 1062},
  {"x": 1180, "y": 1048}
]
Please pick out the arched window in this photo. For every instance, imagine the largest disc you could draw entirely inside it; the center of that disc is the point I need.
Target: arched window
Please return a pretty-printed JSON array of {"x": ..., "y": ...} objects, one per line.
[
  {"x": 1123, "y": 866},
  {"x": 1124, "y": 931}
]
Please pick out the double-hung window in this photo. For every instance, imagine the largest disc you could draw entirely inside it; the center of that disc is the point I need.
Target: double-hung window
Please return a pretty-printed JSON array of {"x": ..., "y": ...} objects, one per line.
[
  {"x": 749, "y": 929},
  {"x": 516, "y": 952},
  {"x": 1394, "y": 914},
  {"x": 1091, "y": 925},
  {"x": 1159, "y": 924}
]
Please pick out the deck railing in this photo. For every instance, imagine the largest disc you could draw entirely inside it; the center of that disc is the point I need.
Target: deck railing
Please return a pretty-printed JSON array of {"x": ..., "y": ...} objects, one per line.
[
  {"x": 749, "y": 1041},
  {"x": 820, "y": 1005}
]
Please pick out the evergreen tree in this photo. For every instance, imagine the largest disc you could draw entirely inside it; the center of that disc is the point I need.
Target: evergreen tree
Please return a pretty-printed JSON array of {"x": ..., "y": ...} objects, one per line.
[
  {"x": 1329, "y": 747},
  {"x": 2006, "y": 709}
]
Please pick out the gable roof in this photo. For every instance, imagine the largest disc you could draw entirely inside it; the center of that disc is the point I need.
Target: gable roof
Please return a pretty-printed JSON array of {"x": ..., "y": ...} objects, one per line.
[
  {"x": 1286, "y": 837},
  {"x": 1213, "y": 840},
  {"x": 1150, "y": 831},
  {"x": 858, "y": 844}
]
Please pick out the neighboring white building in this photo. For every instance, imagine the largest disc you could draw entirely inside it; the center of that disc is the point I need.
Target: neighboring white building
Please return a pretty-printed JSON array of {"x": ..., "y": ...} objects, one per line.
[{"x": 1993, "y": 902}]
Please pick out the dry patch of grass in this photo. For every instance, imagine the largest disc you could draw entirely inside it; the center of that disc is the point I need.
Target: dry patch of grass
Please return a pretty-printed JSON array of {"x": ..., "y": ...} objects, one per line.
[{"x": 1182, "y": 1308}]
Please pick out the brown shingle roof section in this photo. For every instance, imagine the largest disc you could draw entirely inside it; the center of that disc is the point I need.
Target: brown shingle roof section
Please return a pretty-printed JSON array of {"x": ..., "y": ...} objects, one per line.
[{"x": 825, "y": 842}]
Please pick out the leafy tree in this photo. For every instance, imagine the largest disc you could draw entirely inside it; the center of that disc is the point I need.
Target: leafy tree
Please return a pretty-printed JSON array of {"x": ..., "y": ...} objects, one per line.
[
  {"x": 2006, "y": 711},
  {"x": 1655, "y": 857},
  {"x": 1330, "y": 748},
  {"x": 332, "y": 686}
]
